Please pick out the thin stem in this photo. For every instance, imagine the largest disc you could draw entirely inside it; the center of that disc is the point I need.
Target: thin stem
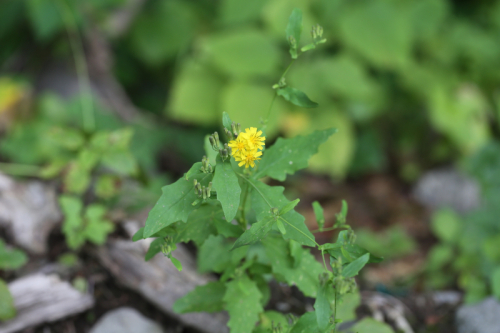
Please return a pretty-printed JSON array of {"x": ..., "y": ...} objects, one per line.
[
  {"x": 242, "y": 220},
  {"x": 324, "y": 262},
  {"x": 335, "y": 312},
  {"x": 82, "y": 73},
  {"x": 20, "y": 169},
  {"x": 291, "y": 225},
  {"x": 255, "y": 187},
  {"x": 326, "y": 229},
  {"x": 286, "y": 70}
]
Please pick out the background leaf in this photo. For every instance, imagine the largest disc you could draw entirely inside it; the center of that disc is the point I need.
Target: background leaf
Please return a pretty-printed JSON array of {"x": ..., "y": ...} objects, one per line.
[
  {"x": 206, "y": 298},
  {"x": 296, "y": 97},
  {"x": 7, "y": 310}
]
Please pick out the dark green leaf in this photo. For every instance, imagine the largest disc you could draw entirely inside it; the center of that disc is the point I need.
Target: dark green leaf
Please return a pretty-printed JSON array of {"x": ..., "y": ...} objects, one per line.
[
  {"x": 45, "y": 17},
  {"x": 304, "y": 276},
  {"x": 242, "y": 300},
  {"x": 371, "y": 325},
  {"x": 228, "y": 189},
  {"x": 73, "y": 222},
  {"x": 296, "y": 97},
  {"x": 195, "y": 169},
  {"x": 289, "y": 155},
  {"x": 11, "y": 259},
  {"x": 120, "y": 161},
  {"x": 289, "y": 206},
  {"x": 154, "y": 248},
  {"x": 97, "y": 227},
  {"x": 226, "y": 121},
  {"x": 353, "y": 252},
  {"x": 294, "y": 30},
  {"x": 214, "y": 254},
  {"x": 322, "y": 304},
  {"x": 264, "y": 197},
  {"x": 7, "y": 310},
  {"x": 175, "y": 204},
  {"x": 256, "y": 232},
  {"x": 306, "y": 324},
  {"x": 227, "y": 229},
  {"x": 200, "y": 224},
  {"x": 320, "y": 217},
  {"x": 354, "y": 267},
  {"x": 207, "y": 298}
]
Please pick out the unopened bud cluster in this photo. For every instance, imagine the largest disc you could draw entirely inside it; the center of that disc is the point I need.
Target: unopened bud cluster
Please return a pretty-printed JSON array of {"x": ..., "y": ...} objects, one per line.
[
  {"x": 203, "y": 192},
  {"x": 234, "y": 132},
  {"x": 317, "y": 34},
  {"x": 226, "y": 152},
  {"x": 214, "y": 141},
  {"x": 168, "y": 246},
  {"x": 206, "y": 167}
]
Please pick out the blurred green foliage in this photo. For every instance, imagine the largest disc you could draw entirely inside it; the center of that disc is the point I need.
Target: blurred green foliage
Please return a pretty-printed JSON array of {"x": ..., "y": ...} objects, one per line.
[
  {"x": 415, "y": 78},
  {"x": 469, "y": 253}
]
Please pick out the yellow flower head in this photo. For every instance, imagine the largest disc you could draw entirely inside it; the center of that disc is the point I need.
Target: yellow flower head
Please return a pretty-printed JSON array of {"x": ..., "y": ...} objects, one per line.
[
  {"x": 254, "y": 138},
  {"x": 245, "y": 149},
  {"x": 248, "y": 158}
]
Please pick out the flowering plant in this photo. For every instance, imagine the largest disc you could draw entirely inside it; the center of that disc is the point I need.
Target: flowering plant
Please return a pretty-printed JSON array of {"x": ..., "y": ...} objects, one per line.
[{"x": 223, "y": 206}]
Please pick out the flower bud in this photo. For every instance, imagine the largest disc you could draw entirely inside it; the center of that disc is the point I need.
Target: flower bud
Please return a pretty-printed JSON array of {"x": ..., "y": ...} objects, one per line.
[
  {"x": 233, "y": 128},
  {"x": 229, "y": 134},
  {"x": 216, "y": 137},
  {"x": 204, "y": 192}
]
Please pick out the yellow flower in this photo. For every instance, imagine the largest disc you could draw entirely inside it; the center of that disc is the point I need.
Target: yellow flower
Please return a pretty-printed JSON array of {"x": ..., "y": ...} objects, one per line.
[
  {"x": 238, "y": 145},
  {"x": 253, "y": 138},
  {"x": 248, "y": 158}
]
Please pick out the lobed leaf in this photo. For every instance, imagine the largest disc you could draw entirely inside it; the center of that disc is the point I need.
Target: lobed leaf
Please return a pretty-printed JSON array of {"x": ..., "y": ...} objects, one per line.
[
  {"x": 207, "y": 298},
  {"x": 242, "y": 299},
  {"x": 200, "y": 225},
  {"x": 296, "y": 97},
  {"x": 256, "y": 232},
  {"x": 175, "y": 204},
  {"x": 289, "y": 155}
]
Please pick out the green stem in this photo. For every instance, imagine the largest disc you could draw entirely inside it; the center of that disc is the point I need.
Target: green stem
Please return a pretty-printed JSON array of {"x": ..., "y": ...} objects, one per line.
[
  {"x": 255, "y": 187},
  {"x": 326, "y": 229},
  {"x": 20, "y": 169},
  {"x": 324, "y": 262},
  {"x": 82, "y": 73},
  {"x": 291, "y": 225},
  {"x": 242, "y": 219},
  {"x": 335, "y": 313}
]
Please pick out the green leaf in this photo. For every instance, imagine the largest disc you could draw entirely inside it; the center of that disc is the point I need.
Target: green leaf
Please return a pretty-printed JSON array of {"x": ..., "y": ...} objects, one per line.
[
  {"x": 495, "y": 282},
  {"x": 77, "y": 179},
  {"x": 120, "y": 161},
  {"x": 175, "y": 204},
  {"x": 176, "y": 263},
  {"x": 264, "y": 197},
  {"x": 207, "y": 298},
  {"x": 11, "y": 259},
  {"x": 371, "y": 325},
  {"x": 209, "y": 151},
  {"x": 243, "y": 53},
  {"x": 318, "y": 212},
  {"x": 296, "y": 97},
  {"x": 67, "y": 138},
  {"x": 200, "y": 224},
  {"x": 138, "y": 235},
  {"x": 214, "y": 254},
  {"x": 289, "y": 155},
  {"x": 256, "y": 232},
  {"x": 242, "y": 300},
  {"x": 226, "y": 121},
  {"x": 289, "y": 206},
  {"x": 270, "y": 319},
  {"x": 306, "y": 324},
  {"x": 154, "y": 248},
  {"x": 281, "y": 227},
  {"x": 45, "y": 17},
  {"x": 354, "y": 267},
  {"x": 97, "y": 227},
  {"x": 322, "y": 304},
  {"x": 304, "y": 276},
  {"x": 107, "y": 186},
  {"x": 294, "y": 30},
  {"x": 7, "y": 309},
  {"x": 228, "y": 189},
  {"x": 227, "y": 229},
  {"x": 72, "y": 228},
  {"x": 195, "y": 169},
  {"x": 446, "y": 225}
]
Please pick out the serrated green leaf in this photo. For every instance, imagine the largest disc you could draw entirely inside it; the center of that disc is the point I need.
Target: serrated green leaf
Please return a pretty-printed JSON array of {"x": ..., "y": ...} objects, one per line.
[
  {"x": 226, "y": 121},
  {"x": 200, "y": 225},
  {"x": 289, "y": 206},
  {"x": 318, "y": 212},
  {"x": 175, "y": 204},
  {"x": 256, "y": 232},
  {"x": 11, "y": 258},
  {"x": 322, "y": 304},
  {"x": 207, "y": 298},
  {"x": 176, "y": 263},
  {"x": 242, "y": 299},
  {"x": 354, "y": 267},
  {"x": 228, "y": 189},
  {"x": 304, "y": 276},
  {"x": 214, "y": 254},
  {"x": 7, "y": 309},
  {"x": 289, "y": 155},
  {"x": 264, "y": 197},
  {"x": 154, "y": 248},
  {"x": 306, "y": 324},
  {"x": 296, "y": 97}
]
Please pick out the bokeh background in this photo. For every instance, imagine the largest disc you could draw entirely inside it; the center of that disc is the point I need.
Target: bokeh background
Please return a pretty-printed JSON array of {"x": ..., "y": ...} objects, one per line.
[{"x": 412, "y": 86}]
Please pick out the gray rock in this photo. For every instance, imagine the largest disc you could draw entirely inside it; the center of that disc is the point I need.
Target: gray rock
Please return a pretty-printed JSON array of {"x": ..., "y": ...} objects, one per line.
[
  {"x": 125, "y": 320},
  {"x": 483, "y": 317},
  {"x": 29, "y": 211},
  {"x": 447, "y": 188}
]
